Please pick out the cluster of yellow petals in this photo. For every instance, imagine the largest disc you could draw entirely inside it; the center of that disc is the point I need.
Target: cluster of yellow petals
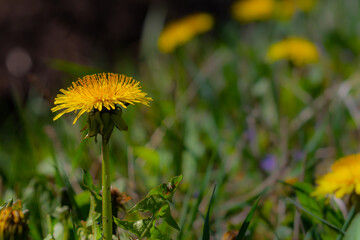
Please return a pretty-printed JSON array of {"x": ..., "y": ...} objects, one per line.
[
  {"x": 253, "y": 10},
  {"x": 298, "y": 50},
  {"x": 183, "y": 30},
  {"x": 344, "y": 178},
  {"x": 13, "y": 222},
  {"x": 99, "y": 91}
]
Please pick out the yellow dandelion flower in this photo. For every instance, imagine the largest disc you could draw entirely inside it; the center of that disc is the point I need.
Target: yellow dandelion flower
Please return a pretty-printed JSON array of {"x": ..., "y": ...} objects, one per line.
[
  {"x": 99, "y": 91},
  {"x": 252, "y": 10},
  {"x": 182, "y": 31},
  {"x": 13, "y": 222},
  {"x": 344, "y": 178},
  {"x": 297, "y": 50}
]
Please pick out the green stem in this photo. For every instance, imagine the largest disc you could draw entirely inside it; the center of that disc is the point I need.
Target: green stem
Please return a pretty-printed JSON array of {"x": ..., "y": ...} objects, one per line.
[
  {"x": 66, "y": 230},
  {"x": 147, "y": 227},
  {"x": 106, "y": 194}
]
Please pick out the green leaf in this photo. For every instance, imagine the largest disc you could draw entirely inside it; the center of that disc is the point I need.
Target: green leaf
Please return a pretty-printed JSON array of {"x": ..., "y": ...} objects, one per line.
[
  {"x": 157, "y": 234},
  {"x": 167, "y": 190},
  {"x": 206, "y": 229},
  {"x": 157, "y": 197},
  {"x": 316, "y": 206},
  {"x": 88, "y": 184},
  {"x": 303, "y": 191},
  {"x": 246, "y": 223},
  {"x": 165, "y": 214},
  {"x": 157, "y": 202},
  {"x": 151, "y": 204},
  {"x": 136, "y": 228}
]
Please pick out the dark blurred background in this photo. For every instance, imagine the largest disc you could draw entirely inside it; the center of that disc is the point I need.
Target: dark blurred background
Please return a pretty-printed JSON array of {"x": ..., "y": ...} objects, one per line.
[{"x": 33, "y": 33}]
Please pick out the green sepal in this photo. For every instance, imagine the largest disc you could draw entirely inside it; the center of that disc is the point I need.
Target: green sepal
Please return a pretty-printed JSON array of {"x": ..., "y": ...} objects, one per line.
[
  {"x": 108, "y": 131},
  {"x": 136, "y": 228},
  {"x": 118, "y": 120},
  {"x": 105, "y": 117},
  {"x": 99, "y": 121},
  {"x": 151, "y": 204},
  {"x": 94, "y": 127},
  {"x": 103, "y": 123}
]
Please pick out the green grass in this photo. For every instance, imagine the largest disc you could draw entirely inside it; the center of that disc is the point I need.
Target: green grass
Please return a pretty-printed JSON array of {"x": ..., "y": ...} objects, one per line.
[{"x": 219, "y": 109}]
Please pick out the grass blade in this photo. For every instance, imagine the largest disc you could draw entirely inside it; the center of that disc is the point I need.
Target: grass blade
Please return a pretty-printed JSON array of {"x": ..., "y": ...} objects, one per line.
[
  {"x": 347, "y": 222},
  {"x": 206, "y": 229},
  {"x": 315, "y": 216},
  {"x": 246, "y": 223}
]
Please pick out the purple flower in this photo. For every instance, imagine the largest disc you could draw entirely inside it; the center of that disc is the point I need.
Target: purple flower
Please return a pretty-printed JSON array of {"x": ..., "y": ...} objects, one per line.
[{"x": 269, "y": 163}]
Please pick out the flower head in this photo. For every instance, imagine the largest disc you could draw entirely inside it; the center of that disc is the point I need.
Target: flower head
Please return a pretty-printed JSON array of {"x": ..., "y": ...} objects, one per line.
[
  {"x": 269, "y": 163},
  {"x": 118, "y": 199},
  {"x": 344, "y": 178},
  {"x": 297, "y": 50},
  {"x": 183, "y": 30},
  {"x": 99, "y": 92},
  {"x": 252, "y": 10},
  {"x": 13, "y": 222}
]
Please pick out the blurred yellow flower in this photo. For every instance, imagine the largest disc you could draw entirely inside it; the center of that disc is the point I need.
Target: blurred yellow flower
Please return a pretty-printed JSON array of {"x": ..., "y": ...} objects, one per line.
[
  {"x": 183, "y": 30},
  {"x": 13, "y": 222},
  {"x": 344, "y": 178},
  {"x": 285, "y": 9},
  {"x": 252, "y": 10},
  {"x": 306, "y": 5},
  {"x": 297, "y": 50},
  {"x": 99, "y": 91}
]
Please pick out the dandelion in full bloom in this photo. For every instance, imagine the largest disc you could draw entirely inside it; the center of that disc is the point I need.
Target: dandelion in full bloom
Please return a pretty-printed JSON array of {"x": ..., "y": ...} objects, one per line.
[
  {"x": 102, "y": 96},
  {"x": 252, "y": 10},
  {"x": 343, "y": 179},
  {"x": 299, "y": 51},
  {"x": 99, "y": 92},
  {"x": 182, "y": 31}
]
